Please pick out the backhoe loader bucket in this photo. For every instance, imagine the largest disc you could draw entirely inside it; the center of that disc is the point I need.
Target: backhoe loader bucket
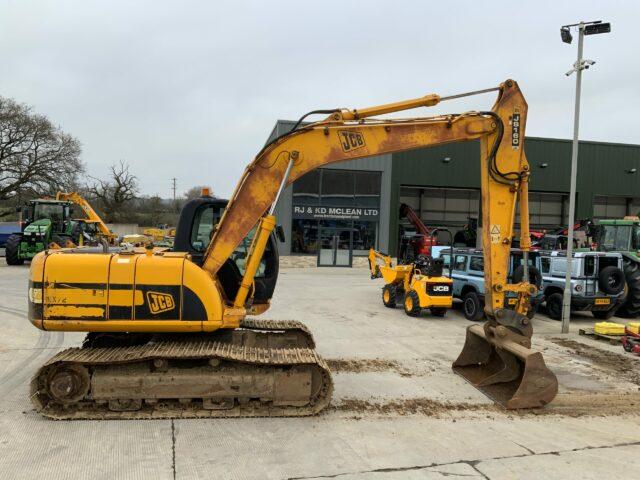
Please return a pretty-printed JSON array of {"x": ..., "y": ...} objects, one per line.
[{"x": 504, "y": 369}]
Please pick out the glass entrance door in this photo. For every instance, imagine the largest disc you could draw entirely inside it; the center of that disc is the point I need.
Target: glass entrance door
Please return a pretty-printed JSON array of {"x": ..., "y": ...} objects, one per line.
[{"x": 336, "y": 247}]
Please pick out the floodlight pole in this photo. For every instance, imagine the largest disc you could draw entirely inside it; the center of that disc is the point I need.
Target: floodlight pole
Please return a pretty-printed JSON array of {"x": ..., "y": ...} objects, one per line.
[{"x": 566, "y": 302}]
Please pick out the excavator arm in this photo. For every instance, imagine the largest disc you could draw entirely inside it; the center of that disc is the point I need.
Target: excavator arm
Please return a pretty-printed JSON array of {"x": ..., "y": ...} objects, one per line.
[
  {"x": 91, "y": 214},
  {"x": 347, "y": 135},
  {"x": 497, "y": 357}
]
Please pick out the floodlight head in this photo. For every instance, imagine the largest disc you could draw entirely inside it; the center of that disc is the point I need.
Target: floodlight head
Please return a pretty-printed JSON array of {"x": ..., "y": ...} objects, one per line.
[
  {"x": 565, "y": 34},
  {"x": 596, "y": 28}
]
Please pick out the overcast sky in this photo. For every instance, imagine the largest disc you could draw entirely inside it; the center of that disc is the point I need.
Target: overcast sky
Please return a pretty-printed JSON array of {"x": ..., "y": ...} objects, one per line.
[{"x": 191, "y": 89}]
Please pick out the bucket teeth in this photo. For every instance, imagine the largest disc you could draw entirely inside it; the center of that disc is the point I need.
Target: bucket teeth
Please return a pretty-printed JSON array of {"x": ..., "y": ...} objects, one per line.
[{"x": 506, "y": 371}]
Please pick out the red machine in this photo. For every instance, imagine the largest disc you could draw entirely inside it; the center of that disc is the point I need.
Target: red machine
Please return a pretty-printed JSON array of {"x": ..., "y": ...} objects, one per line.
[
  {"x": 421, "y": 243},
  {"x": 631, "y": 342}
]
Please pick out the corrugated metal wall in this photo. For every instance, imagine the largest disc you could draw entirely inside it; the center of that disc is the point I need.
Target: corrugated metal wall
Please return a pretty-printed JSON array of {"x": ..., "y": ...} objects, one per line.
[{"x": 603, "y": 170}]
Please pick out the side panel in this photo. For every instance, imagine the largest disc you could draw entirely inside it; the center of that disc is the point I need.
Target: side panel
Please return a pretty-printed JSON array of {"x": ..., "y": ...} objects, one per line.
[
  {"x": 202, "y": 300},
  {"x": 158, "y": 284},
  {"x": 122, "y": 295},
  {"x": 76, "y": 289}
]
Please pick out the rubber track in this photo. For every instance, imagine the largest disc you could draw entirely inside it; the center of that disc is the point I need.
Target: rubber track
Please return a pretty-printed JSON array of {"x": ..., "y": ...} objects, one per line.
[
  {"x": 278, "y": 325},
  {"x": 185, "y": 350}
]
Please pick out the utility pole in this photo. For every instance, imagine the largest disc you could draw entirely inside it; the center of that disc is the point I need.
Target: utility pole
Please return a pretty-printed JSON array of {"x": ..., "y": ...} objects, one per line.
[
  {"x": 584, "y": 28},
  {"x": 174, "y": 189}
]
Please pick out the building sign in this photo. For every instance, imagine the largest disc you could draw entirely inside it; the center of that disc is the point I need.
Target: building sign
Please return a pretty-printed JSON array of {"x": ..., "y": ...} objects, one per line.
[{"x": 343, "y": 213}]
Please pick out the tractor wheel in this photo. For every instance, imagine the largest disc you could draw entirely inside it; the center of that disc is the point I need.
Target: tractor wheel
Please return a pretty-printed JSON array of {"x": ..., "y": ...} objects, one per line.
[
  {"x": 12, "y": 249},
  {"x": 389, "y": 295},
  {"x": 603, "y": 314},
  {"x": 438, "y": 312},
  {"x": 472, "y": 307},
  {"x": 631, "y": 307},
  {"x": 412, "y": 303},
  {"x": 554, "y": 306}
]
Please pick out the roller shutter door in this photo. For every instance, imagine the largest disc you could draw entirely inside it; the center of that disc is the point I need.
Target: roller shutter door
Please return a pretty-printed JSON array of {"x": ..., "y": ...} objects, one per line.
[
  {"x": 442, "y": 206},
  {"x": 615, "y": 207}
]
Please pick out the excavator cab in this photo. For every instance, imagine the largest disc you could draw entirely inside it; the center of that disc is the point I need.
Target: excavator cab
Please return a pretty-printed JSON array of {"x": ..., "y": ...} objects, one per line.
[{"x": 198, "y": 220}]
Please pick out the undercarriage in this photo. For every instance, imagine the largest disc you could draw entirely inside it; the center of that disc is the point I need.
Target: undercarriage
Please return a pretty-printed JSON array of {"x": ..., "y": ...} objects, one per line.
[{"x": 265, "y": 368}]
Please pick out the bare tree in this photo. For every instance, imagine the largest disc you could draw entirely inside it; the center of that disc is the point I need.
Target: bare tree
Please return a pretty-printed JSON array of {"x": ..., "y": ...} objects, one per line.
[
  {"x": 115, "y": 193},
  {"x": 195, "y": 192},
  {"x": 36, "y": 157}
]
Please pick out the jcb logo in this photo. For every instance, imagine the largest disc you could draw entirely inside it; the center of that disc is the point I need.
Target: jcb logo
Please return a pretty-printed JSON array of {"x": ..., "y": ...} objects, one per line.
[
  {"x": 160, "y": 302},
  {"x": 350, "y": 140},
  {"x": 440, "y": 288}
]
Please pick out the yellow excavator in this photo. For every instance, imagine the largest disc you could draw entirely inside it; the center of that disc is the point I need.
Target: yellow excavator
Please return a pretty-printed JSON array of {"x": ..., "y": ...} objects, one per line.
[
  {"x": 169, "y": 332},
  {"x": 98, "y": 228}
]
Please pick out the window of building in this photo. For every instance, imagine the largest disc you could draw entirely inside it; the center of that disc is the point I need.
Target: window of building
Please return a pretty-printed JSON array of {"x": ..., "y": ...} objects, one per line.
[
  {"x": 367, "y": 189},
  {"x": 306, "y": 189},
  {"x": 304, "y": 236},
  {"x": 319, "y": 192},
  {"x": 337, "y": 188},
  {"x": 365, "y": 236}
]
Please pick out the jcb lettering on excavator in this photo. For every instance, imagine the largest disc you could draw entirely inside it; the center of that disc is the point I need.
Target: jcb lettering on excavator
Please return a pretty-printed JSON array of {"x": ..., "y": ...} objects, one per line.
[
  {"x": 351, "y": 140},
  {"x": 440, "y": 288},
  {"x": 160, "y": 302}
]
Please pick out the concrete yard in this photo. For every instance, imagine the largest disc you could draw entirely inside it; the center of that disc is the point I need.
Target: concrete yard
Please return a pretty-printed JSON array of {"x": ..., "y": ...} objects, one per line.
[{"x": 398, "y": 411}]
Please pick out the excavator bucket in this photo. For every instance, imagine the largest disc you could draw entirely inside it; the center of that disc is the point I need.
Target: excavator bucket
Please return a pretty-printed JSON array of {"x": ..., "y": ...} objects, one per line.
[{"x": 504, "y": 369}]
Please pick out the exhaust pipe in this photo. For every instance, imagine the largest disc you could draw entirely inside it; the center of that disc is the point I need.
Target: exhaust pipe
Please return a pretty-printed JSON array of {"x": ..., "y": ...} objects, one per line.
[{"x": 497, "y": 359}]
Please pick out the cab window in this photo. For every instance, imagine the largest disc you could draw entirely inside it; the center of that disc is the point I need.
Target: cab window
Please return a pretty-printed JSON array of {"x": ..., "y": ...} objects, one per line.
[
  {"x": 202, "y": 229},
  {"x": 239, "y": 255}
]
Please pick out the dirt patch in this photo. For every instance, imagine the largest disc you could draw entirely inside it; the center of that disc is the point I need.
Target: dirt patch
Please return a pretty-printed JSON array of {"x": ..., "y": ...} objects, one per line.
[
  {"x": 607, "y": 405},
  {"x": 361, "y": 365},
  {"x": 409, "y": 406},
  {"x": 618, "y": 363}
]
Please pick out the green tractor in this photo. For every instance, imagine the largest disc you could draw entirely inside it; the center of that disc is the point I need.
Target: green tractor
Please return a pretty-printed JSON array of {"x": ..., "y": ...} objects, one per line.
[
  {"x": 624, "y": 236},
  {"x": 44, "y": 221}
]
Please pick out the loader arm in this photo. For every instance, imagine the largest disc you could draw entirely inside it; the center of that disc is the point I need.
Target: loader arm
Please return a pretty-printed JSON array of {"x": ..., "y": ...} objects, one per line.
[
  {"x": 88, "y": 210},
  {"x": 347, "y": 135},
  {"x": 410, "y": 214}
]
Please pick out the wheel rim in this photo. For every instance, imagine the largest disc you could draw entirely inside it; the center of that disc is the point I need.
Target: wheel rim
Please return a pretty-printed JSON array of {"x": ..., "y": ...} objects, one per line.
[
  {"x": 386, "y": 296},
  {"x": 469, "y": 307},
  {"x": 408, "y": 303}
]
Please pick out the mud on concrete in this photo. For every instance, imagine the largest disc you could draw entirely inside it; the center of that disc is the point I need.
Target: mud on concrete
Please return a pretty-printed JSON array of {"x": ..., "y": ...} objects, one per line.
[
  {"x": 362, "y": 365},
  {"x": 409, "y": 406},
  {"x": 616, "y": 363}
]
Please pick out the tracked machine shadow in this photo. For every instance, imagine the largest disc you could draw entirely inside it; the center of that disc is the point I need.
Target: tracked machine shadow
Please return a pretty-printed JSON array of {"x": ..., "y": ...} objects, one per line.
[{"x": 170, "y": 334}]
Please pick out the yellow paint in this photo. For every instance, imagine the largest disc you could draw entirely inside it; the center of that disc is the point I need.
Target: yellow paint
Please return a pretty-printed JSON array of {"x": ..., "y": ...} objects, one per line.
[{"x": 69, "y": 311}]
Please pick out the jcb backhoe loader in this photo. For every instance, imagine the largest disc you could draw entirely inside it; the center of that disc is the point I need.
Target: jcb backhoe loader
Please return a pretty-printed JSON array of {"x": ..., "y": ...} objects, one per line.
[{"x": 171, "y": 338}]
